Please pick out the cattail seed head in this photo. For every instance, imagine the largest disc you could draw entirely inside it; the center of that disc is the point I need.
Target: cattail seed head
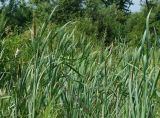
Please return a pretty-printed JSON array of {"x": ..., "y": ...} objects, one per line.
[{"x": 17, "y": 53}]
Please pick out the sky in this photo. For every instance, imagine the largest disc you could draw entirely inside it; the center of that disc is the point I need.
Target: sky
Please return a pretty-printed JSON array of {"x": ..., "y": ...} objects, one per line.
[{"x": 136, "y": 6}]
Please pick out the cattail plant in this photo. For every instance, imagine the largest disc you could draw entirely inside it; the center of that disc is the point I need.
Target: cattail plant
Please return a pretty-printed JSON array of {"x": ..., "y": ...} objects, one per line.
[
  {"x": 75, "y": 79},
  {"x": 34, "y": 27}
]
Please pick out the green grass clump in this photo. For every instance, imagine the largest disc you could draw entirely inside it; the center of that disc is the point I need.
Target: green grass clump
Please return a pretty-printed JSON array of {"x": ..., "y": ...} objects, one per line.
[{"x": 69, "y": 77}]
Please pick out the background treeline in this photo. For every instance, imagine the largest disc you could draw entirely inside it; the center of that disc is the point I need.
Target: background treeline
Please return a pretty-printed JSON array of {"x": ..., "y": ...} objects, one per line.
[{"x": 104, "y": 20}]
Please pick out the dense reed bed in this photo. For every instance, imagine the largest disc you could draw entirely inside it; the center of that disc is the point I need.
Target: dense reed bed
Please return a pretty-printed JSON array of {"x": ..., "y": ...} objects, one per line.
[{"x": 74, "y": 78}]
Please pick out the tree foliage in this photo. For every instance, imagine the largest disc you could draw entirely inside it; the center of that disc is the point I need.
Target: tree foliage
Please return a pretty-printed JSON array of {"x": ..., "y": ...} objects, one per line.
[
  {"x": 110, "y": 19},
  {"x": 121, "y": 4}
]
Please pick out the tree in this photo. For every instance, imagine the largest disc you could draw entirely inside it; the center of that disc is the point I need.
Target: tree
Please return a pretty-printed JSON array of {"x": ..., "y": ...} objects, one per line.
[
  {"x": 122, "y": 5},
  {"x": 68, "y": 9},
  {"x": 149, "y": 3},
  {"x": 17, "y": 13}
]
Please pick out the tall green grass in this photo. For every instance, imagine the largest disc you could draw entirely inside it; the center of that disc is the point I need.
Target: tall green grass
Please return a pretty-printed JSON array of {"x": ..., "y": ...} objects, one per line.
[{"x": 71, "y": 77}]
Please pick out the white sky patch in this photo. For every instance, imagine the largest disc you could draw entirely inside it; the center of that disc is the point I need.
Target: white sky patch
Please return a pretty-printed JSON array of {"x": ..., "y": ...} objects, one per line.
[{"x": 136, "y": 6}]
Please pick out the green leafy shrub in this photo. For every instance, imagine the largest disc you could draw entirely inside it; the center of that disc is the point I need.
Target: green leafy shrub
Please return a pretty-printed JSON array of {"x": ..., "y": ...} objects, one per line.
[{"x": 135, "y": 27}]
